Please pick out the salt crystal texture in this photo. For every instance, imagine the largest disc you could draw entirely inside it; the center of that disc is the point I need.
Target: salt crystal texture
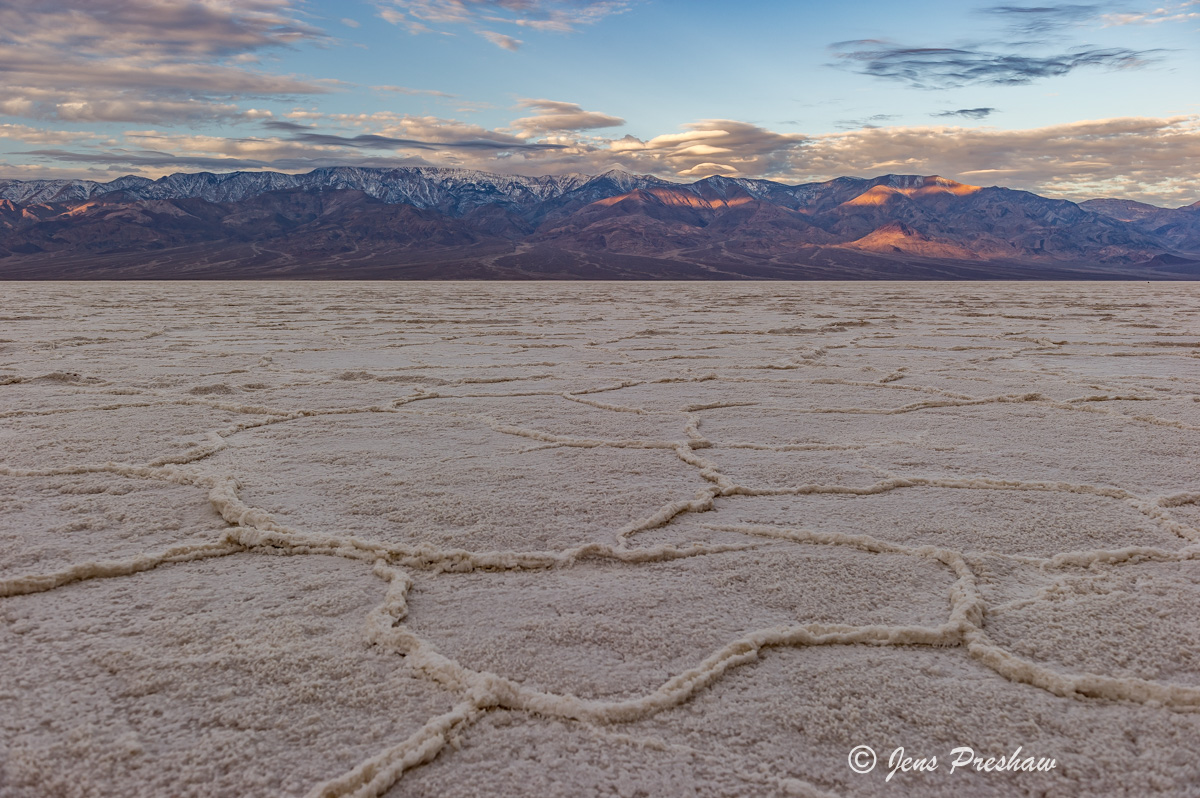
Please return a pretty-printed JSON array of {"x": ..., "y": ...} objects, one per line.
[{"x": 496, "y": 539}]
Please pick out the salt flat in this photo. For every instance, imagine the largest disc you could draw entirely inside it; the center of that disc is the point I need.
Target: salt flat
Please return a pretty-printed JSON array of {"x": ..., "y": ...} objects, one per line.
[{"x": 506, "y": 539}]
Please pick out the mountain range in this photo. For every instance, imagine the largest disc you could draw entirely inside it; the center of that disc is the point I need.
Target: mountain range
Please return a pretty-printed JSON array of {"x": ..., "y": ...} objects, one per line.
[{"x": 431, "y": 223}]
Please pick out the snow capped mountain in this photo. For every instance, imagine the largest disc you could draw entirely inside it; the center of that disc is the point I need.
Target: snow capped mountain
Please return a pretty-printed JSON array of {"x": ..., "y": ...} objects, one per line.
[
  {"x": 458, "y": 191},
  {"x": 343, "y": 221},
  {"x": 454, "y": 190},
  {"x": 31, "y": 192},
  {"x": 450, "y": 190}
]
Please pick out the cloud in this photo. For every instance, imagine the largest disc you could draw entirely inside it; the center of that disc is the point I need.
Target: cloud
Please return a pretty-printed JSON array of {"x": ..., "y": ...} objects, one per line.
[
  {"x": 88, "y": 107},
  {"x": 427, "y": 134},
  {"x": 1015, "y": 61},
  {"x": 870, "y": 121},
  {"x": 968, "y": 113},
  {"x": 501, "y": 40},
  {"x": 726, "y": 146},
  {"x": 405, "y": 126},
  {"x": 166, "y": 29},
  {"x": 551, "y": 116},
  {"x": 369, "y": 141},
  {"x": 708, "y": 169},
  {"x": 10, "y": 171},
  {"x": 153, "y": 163},
  {"x": 166, "y": 151},
  {"x": 144, "y": 60},
  {"x": 555, "y": 16},
  {"x": 1043, "y": 19},
  {"x": 708, "y": 146},
  {"x": 34, "y": 135},
  {"x": 949, "y": 67},
  {"x": 286, "y": 127},
  {"x": 301, "y": 148},
  {"x": 406, "y": 90},
  {"x": 1175, "y": 13},
  {"x": 1148, "y": 159}
]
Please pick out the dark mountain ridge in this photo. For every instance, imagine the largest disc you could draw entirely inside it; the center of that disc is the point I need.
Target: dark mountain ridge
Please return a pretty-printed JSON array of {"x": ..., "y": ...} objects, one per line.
[{"x": 422, "y": 223}]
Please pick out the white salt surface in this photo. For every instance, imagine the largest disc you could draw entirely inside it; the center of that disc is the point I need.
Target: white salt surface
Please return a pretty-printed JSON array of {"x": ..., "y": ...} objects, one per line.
[{"x": 584, "y": 539}]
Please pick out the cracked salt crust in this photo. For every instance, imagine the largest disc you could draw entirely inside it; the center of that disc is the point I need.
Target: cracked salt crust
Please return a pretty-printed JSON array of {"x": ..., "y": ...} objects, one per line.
[
  {"x": 422, "y": 539},
  {"x": 48, "y": 522}
]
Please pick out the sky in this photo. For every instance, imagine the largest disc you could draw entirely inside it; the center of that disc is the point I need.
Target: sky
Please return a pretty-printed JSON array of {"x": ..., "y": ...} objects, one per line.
[{"x": 1073, "y": 100}]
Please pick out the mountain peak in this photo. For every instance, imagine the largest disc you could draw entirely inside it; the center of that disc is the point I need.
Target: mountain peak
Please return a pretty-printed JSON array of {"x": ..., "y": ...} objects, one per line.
[
  {"x": 925, "y": 185},
  {"x": 628, "y": 181},
  {"x": 921, "y": 181}
]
